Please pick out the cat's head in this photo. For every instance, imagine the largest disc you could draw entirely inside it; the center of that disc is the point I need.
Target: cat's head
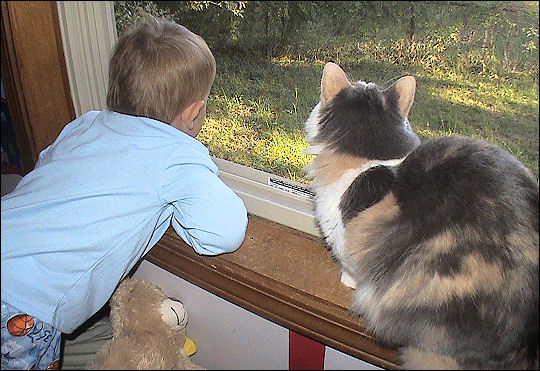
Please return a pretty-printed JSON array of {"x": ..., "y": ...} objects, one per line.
[{"x": 362, "y": 119}]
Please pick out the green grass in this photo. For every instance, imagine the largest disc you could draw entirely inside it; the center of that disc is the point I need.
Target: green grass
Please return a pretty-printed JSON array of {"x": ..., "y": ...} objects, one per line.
[{"x": 258, "y": 107}]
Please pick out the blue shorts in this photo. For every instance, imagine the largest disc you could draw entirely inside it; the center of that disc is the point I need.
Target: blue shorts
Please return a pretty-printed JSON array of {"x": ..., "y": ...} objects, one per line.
[{"x": 27, "y": 342}]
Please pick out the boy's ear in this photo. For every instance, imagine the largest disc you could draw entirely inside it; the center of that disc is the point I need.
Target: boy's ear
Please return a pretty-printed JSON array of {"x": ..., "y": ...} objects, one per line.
[{"x": 191, "y": 112}]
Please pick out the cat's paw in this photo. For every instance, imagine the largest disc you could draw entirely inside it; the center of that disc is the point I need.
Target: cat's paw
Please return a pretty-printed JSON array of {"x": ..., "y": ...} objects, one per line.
[{"x": 347, "y": 280}]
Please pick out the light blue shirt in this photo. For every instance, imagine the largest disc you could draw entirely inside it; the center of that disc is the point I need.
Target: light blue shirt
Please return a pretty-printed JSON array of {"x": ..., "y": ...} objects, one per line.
[{"x": 99, "y": 198}]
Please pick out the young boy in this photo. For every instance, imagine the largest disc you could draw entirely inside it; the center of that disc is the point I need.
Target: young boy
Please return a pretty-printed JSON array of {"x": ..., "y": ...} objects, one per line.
[{"x": 103, "y": 194}]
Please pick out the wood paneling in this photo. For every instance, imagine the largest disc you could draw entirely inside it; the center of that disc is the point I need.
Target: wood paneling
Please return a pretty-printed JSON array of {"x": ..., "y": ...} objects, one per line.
[{"x": 35, "y": 75}]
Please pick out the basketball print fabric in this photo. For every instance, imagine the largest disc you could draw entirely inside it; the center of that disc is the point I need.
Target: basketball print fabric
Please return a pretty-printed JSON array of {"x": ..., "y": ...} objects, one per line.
[
  {"x": 28, "y": 343},
  {"x": 20, "y": 325}
]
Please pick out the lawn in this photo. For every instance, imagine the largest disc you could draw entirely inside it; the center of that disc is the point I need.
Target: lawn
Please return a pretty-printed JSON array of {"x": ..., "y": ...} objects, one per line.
[{"x": 258, "y": 108}]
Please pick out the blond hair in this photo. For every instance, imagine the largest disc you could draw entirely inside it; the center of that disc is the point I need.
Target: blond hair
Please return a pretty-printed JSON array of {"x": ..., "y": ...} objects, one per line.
[{"x": 157, "y": 69}]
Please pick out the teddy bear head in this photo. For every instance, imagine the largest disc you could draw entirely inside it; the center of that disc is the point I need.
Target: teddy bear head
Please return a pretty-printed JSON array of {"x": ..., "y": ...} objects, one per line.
[
  {"x": 148, "y": 331},
  {"x": 140, "y": 307}
]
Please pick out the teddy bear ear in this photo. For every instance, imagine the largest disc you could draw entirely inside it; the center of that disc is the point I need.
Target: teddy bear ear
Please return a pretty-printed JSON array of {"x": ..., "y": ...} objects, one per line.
[
  {"x": 174, "y": 314},
  {"x": 124, "y": 288}
]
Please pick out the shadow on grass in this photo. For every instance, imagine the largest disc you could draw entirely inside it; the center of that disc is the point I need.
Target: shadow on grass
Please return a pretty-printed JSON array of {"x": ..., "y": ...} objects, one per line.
[{"x": 282, "y": 93}]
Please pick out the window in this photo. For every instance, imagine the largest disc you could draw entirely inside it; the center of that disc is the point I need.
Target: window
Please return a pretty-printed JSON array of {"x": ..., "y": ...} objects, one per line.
[
  {"x": 89, "y": 34},
  {"x": 476, "y": 65}
]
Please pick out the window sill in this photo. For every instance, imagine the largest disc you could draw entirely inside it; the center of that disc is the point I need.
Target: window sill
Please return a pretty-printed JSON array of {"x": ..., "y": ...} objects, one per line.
[{"x": 283, "y": 275}]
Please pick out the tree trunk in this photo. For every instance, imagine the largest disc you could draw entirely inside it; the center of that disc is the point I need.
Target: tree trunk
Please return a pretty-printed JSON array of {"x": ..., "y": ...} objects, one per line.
[{"x": 412, "y": 27}]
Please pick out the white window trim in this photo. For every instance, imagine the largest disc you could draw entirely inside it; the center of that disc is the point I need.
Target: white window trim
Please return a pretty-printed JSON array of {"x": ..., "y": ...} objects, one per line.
[{"x": 88, "y": 35}]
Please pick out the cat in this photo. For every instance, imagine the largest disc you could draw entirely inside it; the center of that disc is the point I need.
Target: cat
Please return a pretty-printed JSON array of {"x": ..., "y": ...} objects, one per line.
[{"x": 439, "y": 237}]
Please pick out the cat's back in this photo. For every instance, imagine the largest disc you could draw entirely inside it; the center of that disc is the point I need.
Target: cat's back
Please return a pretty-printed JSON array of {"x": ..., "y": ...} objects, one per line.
[
  {"x": 465, "y": 239},
  {"x": 458, "y": 181}
]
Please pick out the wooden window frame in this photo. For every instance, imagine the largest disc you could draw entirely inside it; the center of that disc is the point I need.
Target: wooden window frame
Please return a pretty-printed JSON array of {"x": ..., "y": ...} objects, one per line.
[{"x": 34, "y": 75}]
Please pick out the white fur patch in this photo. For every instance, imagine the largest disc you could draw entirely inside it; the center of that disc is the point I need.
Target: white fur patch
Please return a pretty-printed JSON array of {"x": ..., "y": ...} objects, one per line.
[
  {"x": 348, "y": 280},
  {"x": 363, "y": 297},
  {"x": 314, "y": 150},
  {"x": 312, "y": 123},
  {"x": 328, "y": 212}
]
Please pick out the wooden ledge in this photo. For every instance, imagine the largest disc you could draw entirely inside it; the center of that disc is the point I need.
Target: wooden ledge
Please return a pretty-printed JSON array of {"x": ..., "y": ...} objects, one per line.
[{"x": 283, "y": 275}]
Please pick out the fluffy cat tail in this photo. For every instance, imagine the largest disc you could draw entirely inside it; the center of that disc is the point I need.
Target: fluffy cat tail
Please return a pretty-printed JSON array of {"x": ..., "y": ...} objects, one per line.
[{"x": 418, "y": 359}]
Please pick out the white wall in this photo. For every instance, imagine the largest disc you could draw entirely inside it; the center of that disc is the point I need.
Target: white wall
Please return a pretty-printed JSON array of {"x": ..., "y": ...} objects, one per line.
[{"x": 229, "y": 337}]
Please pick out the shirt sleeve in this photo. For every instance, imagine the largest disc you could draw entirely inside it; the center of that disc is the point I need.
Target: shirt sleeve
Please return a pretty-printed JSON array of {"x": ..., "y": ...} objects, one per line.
[{"x": 207, "y": 214}]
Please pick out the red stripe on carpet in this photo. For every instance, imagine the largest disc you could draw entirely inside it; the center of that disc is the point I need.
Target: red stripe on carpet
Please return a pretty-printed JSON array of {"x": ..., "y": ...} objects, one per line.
[{"x": 305, "y": 353}]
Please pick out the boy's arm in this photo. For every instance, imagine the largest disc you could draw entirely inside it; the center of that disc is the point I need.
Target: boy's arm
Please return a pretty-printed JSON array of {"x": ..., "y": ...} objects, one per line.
[{"x": 208, "y": 215}]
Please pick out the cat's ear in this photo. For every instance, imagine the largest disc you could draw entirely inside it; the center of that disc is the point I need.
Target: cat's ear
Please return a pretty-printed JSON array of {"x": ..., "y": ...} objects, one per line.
[
  {"x": 405, "y": 88},
  {"x": 333, "y": 80}
]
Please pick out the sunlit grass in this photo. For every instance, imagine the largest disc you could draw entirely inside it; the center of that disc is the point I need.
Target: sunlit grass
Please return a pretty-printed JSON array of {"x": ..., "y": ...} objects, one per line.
[
  {"x": 496, "y": 95},
  {"x": 257, "y": 110},
  {"x": 502, "y": 111},
  {"x": 246, "y": 131}
]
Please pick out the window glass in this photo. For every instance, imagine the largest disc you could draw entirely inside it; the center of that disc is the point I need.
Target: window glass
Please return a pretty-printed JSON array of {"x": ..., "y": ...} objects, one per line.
[{"x": 476, "y": 65}]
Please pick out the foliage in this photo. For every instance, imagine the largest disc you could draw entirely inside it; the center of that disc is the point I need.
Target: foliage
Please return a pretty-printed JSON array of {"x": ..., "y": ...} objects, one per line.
[{"x": 487, "y": 36}]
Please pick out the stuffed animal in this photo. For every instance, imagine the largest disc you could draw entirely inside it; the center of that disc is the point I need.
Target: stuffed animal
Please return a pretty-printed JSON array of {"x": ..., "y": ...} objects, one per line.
[{"x": 148, "y": 331}]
